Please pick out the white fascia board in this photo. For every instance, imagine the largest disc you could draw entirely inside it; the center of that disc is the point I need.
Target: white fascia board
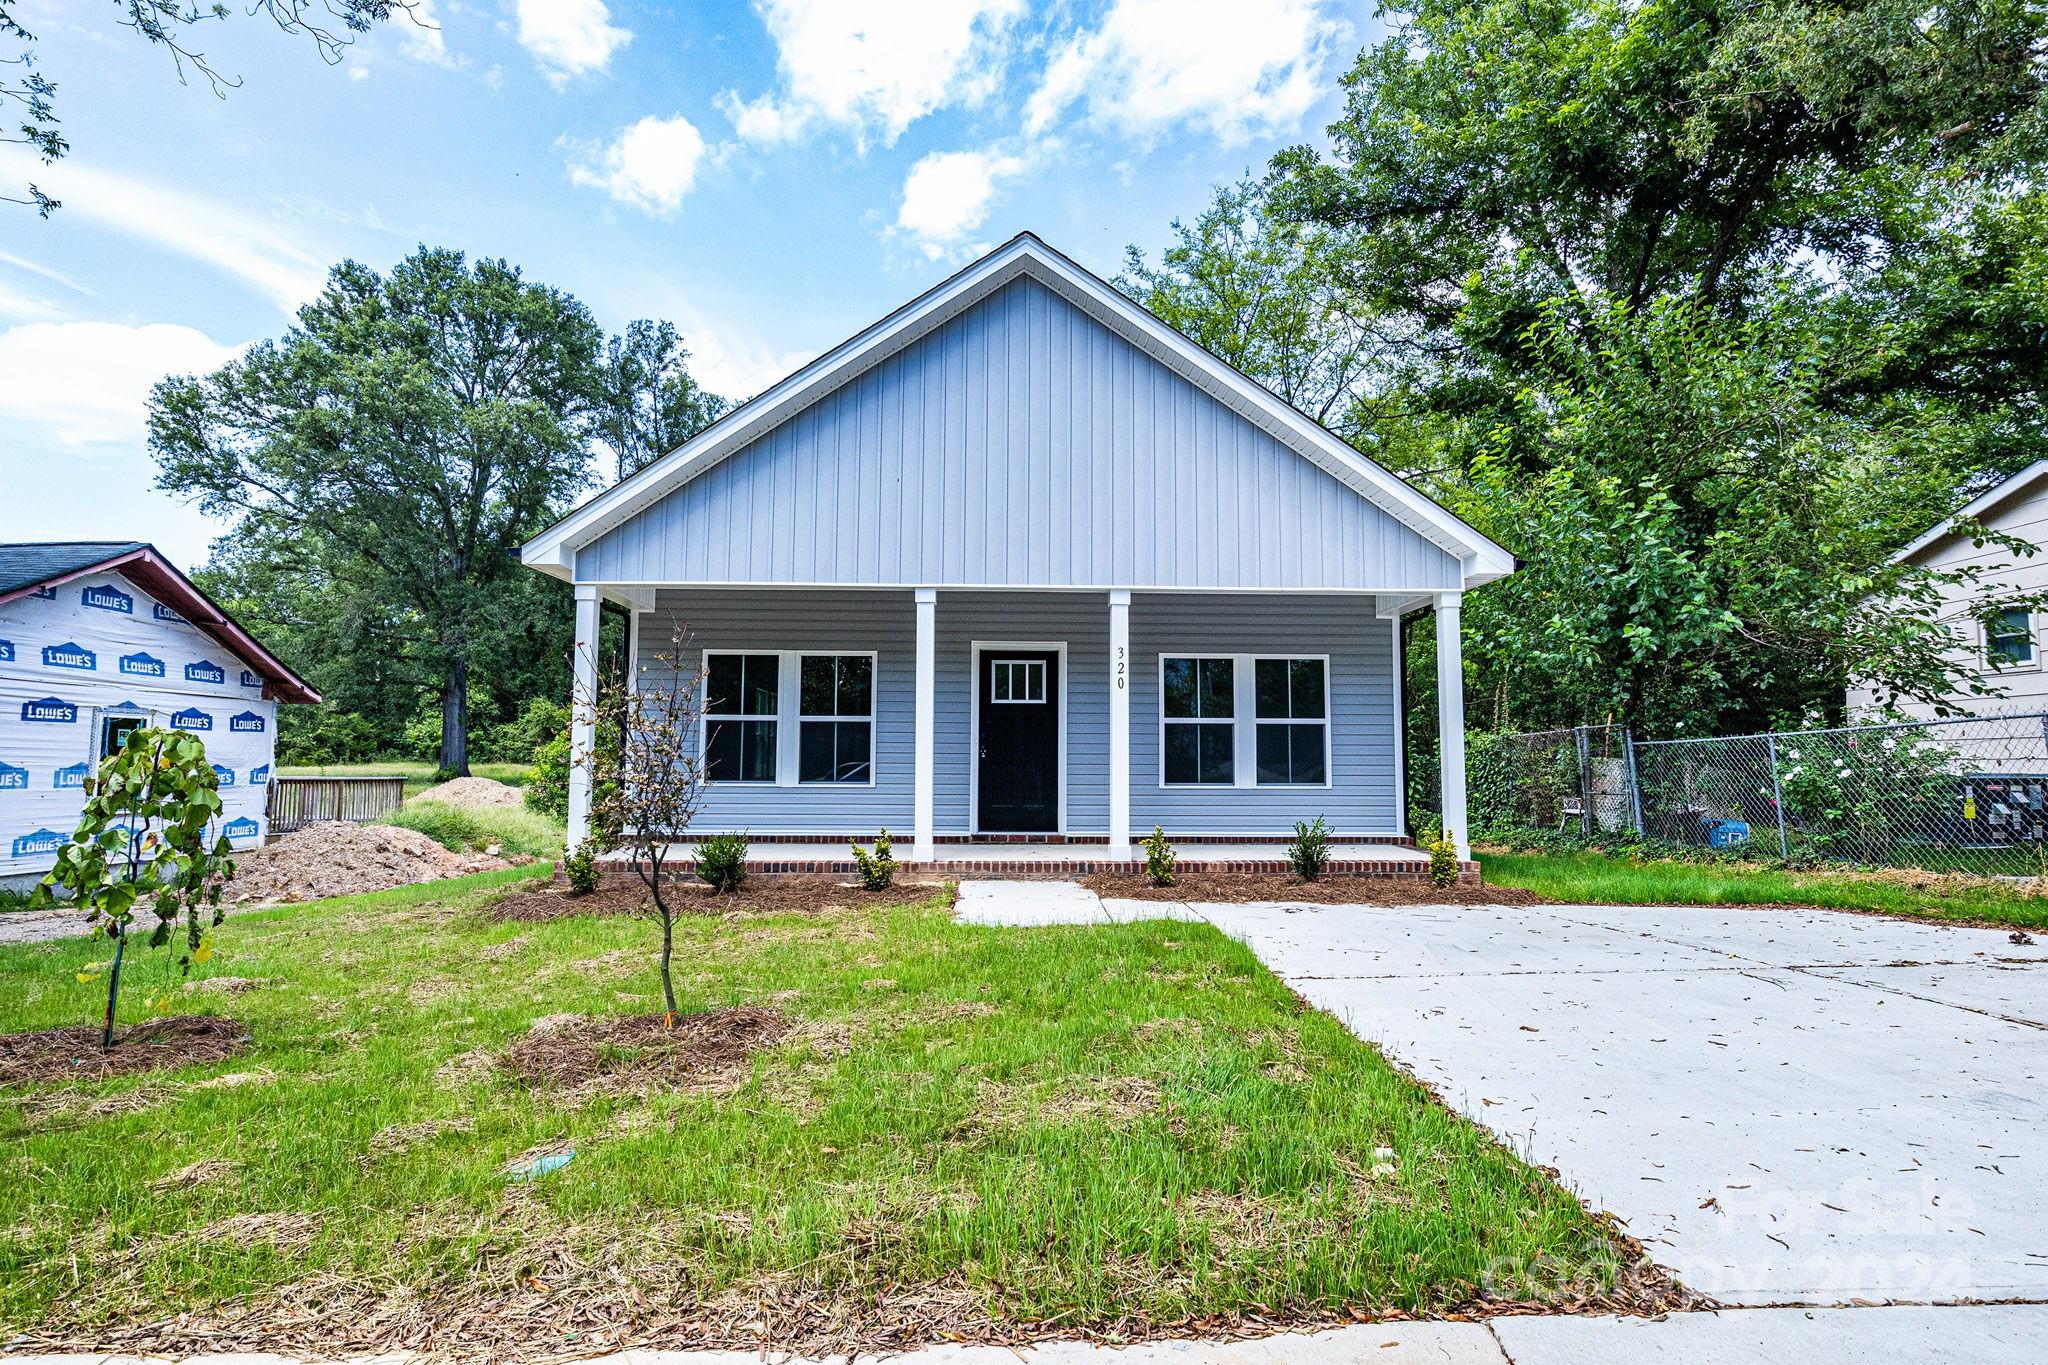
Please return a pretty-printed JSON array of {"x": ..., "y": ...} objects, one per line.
[
  {"x": 1482, "y": 561},
  {"x": 1976, "y": 507}
]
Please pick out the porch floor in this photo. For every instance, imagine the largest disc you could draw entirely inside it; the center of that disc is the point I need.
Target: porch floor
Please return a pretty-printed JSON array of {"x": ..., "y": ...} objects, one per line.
[{"x": 1080, "y": 859}]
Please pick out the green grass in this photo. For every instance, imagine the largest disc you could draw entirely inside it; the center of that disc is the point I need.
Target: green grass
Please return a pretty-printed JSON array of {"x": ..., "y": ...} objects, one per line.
[
  {"x": 512, "y": 829},
  {"x": 1089, "y": 1128},
  {"x": 418, "y": 776},
  {"x": 1604, "y": 879}
]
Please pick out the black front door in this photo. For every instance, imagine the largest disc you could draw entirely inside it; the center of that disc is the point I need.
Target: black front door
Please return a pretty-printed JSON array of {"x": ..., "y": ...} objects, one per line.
[{"x": 1019, "y": 774}]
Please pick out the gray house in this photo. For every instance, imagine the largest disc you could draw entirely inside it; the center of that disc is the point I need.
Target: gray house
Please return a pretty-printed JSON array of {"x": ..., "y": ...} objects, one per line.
[{"x": 1020, "y": 565}]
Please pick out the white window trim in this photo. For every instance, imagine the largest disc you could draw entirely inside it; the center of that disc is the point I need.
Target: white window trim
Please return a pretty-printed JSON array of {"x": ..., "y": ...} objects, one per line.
[
  {"x": 1032, "y": 668},
  {"x": 2033, "y": 663},
  {"x": 789, "y": 715},
  {"x": 1244, "y": 718}
]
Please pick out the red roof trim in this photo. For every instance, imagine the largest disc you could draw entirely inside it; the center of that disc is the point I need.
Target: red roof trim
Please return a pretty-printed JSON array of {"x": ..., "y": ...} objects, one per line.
[{"x": 163, "y": 579}]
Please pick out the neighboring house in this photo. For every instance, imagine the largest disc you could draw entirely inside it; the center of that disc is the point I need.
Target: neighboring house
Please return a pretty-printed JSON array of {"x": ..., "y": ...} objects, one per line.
[
  {"x": 1021, "y": 561},
  {"x": 2007, "y": 652},
  {"x": 100, "y": 638}
]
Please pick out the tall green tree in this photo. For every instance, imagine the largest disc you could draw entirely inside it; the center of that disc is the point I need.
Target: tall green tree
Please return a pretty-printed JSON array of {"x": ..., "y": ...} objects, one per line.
[
  {"x": 402, "y": 441},
  {"x": 649, "y": 402}
]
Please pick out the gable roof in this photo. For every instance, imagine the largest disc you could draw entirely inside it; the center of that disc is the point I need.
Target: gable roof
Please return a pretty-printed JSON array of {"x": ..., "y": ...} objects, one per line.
[
  {"x": 25, "y": 567},
  {"x": 1975, "y": 509},
  {"x": 553, "y": 551}
]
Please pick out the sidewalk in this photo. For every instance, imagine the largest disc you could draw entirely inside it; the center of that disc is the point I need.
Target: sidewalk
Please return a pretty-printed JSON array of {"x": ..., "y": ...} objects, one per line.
[{"x": 1996, "y": 1334}]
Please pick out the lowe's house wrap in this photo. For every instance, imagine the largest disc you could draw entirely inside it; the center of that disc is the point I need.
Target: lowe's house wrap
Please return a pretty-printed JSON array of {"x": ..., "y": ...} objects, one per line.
[{"x": 98, "y": 638}]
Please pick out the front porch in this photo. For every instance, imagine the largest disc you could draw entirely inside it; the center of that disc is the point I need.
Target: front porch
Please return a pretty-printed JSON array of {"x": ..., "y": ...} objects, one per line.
[{"x": 1033, "y": 859}]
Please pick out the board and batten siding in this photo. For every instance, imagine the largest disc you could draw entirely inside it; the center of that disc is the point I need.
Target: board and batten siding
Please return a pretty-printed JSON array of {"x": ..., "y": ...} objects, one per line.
[
  {"x": 1020, "y": 444},
  {"x": 1361, "y": 799}
]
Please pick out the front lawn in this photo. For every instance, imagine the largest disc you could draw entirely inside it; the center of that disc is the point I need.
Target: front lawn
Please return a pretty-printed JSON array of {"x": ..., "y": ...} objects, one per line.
[
  {"x": 1599, "y": 878},
  {"x": 992, "y": 1132}
]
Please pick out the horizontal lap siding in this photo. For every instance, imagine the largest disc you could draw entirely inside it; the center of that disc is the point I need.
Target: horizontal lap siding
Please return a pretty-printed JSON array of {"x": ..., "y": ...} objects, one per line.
[
  {"x": 1360, "y": 799},
  {"x": 823, "y": 622},
  {"x": 1021, "y": 443}
]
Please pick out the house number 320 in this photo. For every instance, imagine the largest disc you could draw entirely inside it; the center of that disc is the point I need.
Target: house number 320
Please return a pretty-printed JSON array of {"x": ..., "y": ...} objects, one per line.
[{"x": 1119, "y": 667}]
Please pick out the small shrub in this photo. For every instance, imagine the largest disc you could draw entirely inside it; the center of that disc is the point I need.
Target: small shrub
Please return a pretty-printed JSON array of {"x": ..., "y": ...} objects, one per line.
[
  {"x": 721, "y": 860},
  {"x": 877, "y": 869},
  {"x": 1309, "y": 853},
  {"x": 1443, "y": 858},
  {"x": 1161, "y": 864},
  {"x": 580, "y": 867}
]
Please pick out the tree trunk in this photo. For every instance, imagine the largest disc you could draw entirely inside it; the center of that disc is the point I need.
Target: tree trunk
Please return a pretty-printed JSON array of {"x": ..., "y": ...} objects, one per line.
[{"x": 455, "y": 719}]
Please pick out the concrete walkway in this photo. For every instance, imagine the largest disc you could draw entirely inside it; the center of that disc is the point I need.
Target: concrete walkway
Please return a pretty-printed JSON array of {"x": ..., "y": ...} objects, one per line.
[
  {"x": 1785, "y": 1106},
  {"x": 1991, "y": 1335}
]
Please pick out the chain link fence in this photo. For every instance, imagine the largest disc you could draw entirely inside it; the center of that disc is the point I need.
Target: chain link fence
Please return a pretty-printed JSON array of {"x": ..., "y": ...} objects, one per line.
[{"x": 1969, "y": 794}]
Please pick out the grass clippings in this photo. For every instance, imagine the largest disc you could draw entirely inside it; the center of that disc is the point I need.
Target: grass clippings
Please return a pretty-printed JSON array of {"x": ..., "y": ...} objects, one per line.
[
  {"x": 568, "y": 1052},
  {"x": 73, "y": 1052},
  {"x": 1236, "y": 888},
  {"x": 198, "y": 1173}
]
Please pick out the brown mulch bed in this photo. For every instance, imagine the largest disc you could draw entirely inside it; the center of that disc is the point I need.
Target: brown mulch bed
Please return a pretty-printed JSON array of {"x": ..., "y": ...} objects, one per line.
[
  {"x": 1238, "y": 887},
  {"x": 73, "y": 1052},
  {"x": 568, "y": 1051},
  {"x": 623, "y": 893}
]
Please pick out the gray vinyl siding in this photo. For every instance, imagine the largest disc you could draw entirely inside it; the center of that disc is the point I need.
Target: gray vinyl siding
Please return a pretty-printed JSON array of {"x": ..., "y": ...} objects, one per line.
[
  {"x": 1022, "y": 443},
  {"x": 1360, "y": 800},
  {"x": 823, "y": 622}
]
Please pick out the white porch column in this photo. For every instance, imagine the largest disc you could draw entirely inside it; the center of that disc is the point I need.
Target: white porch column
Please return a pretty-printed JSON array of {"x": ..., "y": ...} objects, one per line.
[
  {"x": 1119, "y": 724},
  {"x": 1450, "y": 719},
  {"x": 582, "y": 718},
  {"x": 926, "y": 729}
]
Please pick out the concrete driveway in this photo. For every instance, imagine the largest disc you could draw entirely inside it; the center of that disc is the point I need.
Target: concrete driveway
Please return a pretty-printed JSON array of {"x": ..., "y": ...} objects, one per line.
[{"x": 1784, "y": 1106}]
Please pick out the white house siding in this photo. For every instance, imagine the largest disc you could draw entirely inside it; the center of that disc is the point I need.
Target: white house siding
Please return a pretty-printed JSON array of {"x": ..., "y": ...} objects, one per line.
[
  {"x": 2026, "y": 689},
  {"x": 71, "y": 654},
  {"x": 1021, "y": 444},
  {"x": 1360, "y": 800}
]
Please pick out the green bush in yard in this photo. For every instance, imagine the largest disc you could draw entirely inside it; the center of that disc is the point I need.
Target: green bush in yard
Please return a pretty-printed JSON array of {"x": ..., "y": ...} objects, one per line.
[
  {"x": 547, "y": 791},
  {"x": 1161, "y": 863},
  {"x": 721, "y": 861},
  {"x": 877, "y": 869},
  {"x": 579, "y": 865},
  {"x": 1443, "y": 858},
  {"x": 1309, "y": 852}
]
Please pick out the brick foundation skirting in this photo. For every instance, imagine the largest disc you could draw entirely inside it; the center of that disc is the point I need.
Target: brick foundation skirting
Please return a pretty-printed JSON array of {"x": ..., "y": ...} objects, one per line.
[
  {"x": 1055, "y": 869},
  {"x": 1076, "y": 840}
]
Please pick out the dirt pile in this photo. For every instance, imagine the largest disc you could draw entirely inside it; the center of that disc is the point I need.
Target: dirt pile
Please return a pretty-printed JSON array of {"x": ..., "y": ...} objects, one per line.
[
  {"x": 473, "y": 791},
  {"x": 334, "y": 858}
]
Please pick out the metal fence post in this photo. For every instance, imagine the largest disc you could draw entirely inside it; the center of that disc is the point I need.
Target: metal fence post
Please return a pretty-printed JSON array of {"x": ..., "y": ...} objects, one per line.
[
  {"x": 1585, "y": 783},
  {"x": 1778, "y": 798},
  {"x": 1635, "y": 785}
]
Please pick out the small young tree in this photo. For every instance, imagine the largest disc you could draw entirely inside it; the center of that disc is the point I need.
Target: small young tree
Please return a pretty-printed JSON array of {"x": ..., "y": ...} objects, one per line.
[
  {"x": 144, "y": 838},
  {"x": 647, "y": 772}
]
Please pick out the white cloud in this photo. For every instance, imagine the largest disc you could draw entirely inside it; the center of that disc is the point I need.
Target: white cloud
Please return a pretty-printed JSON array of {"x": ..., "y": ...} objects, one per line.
[
  {"x": 946, "y": 197},
  {"x": 651, "y": 164},
  {"x": 421, "y": 38},
  {"x": 1241, "y": 68},
  {"x": 88, "y": 382},
  {"x": 874, "y": 66},
  {"x": 266, "y": 256},
  {"x": 569, "y": 37}
]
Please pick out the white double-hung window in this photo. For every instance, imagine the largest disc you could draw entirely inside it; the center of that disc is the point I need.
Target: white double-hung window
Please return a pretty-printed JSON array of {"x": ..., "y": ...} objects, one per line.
[
  {"x": 1244, "y": 720},
  {"x": 789, "y": 717}
]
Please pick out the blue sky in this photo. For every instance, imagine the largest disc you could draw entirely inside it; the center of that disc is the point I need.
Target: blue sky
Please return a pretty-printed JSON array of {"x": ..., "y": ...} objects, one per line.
[{"x": 770, "y": 176}]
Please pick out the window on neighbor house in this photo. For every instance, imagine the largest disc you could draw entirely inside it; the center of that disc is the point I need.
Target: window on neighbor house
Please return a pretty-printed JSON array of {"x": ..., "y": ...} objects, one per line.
[
  {"x": 2009, "y": 638},
  {"x": 1198, "y": 703},
  {"x": 742, "y": 700},
  {"x": 836, "y": 718},
  {"x": 1291, "y": 713}
]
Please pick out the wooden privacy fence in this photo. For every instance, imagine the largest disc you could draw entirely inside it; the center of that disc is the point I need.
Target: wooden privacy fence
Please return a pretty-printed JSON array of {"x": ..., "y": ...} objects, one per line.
[{"x": 299, "y": 801}]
